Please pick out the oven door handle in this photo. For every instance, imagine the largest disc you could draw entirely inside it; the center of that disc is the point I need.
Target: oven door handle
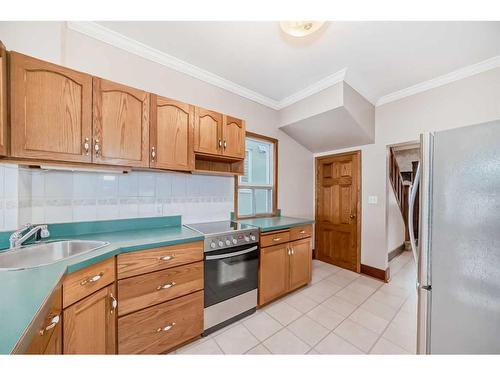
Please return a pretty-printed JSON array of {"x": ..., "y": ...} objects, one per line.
[{"x": 230, "y": 255}]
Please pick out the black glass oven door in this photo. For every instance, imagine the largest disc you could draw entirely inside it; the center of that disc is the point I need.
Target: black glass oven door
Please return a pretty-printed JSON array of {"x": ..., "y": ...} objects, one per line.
[{"x": 230, "y": 272}]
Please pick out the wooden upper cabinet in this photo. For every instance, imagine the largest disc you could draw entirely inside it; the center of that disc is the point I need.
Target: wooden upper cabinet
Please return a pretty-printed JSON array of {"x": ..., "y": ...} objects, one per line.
[
  {"x": 171, "y": 134},
  {"x": 51, "y": 110},
  {"x": 233, "y": 137},
  {"x": 90, "y": 324},
  {"x": 207, "y": 132},
  {"x": 3, "y": 100},
  {"x": 120, "y": 124}
]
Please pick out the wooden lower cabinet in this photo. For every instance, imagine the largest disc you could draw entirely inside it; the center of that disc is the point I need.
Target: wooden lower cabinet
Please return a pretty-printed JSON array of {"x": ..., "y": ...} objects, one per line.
[
  {"x": 284, "y": 267},
  {"x": 300, "y": 263},
  {"x": 160, "y": 328},
  {"x": 273, "y": 273},
  {"x": 55, "y": 343},
  {"x": 90, "y": 324}
]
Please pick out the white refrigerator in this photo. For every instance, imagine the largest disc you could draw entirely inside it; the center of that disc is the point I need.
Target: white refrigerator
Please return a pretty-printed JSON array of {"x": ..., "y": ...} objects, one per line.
[{"x": 458, "y": 247}]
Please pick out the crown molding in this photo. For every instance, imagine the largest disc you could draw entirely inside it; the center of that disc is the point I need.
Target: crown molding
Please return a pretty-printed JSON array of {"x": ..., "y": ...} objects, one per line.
[
  {"x": 123, "y": 42},
  {"x": 316, "y": 87},
  {"x": 456, "y": 75}
]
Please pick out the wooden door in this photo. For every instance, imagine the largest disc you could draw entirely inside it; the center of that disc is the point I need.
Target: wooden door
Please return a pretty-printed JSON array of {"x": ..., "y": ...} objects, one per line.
[
  {"x": 3, "y": 100},
  {"x": 120, "y": 124},
  {"x": 273, "y": 272},
  {"x": 207, "y": 132},
  {"x": 51, "y": 111},
  {"x": 171, "y": 134},
  {"x": 338, "y": 210},
  {"x": 233, "y": 137},
  {"x": 300, "y": 263},
  {"x": 90, "y": 324}
]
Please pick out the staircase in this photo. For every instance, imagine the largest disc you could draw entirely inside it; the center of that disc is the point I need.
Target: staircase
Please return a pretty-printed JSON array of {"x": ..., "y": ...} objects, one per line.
[{"x": 400, "y": 182}]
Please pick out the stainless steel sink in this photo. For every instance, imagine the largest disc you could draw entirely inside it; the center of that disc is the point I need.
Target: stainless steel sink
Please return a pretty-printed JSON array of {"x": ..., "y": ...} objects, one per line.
[{"x": 45, "y": 253}]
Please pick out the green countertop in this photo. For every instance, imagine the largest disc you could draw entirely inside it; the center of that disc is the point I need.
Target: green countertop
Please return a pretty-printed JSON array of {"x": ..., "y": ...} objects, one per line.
[
  {"x": 268, "y": 224},
  {"x": 23, "y": 292}
]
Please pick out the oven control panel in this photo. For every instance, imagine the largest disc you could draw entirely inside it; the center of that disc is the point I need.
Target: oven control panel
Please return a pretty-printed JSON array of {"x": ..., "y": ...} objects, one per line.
[{"x": 223, "y": 241}]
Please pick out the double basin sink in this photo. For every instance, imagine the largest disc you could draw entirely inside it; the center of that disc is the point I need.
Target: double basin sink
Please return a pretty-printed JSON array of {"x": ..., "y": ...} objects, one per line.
[{"x": 45, "y": 253}]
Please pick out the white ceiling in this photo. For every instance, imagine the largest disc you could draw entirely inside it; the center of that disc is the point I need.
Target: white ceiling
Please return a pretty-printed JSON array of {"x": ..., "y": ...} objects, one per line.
[{"x": 380, "y": 57}]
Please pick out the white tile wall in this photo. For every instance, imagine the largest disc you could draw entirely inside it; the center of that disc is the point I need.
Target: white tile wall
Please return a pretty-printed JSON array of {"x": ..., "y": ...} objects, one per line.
[{"x": 41, "y": 196}]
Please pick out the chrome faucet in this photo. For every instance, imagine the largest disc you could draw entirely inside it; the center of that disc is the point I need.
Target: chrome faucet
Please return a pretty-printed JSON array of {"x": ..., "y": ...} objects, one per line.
[{"x": 17, "y": 238}]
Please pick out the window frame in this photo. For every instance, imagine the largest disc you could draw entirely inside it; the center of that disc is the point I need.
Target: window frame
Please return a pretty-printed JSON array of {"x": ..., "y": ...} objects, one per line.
[{"x": 274, "y": 198}]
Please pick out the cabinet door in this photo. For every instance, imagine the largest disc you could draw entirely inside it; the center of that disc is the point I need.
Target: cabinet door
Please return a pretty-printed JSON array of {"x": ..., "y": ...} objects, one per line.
[
  {"x": 90, "y": 324},
  {"x": 273, "y": 272},
  {"x": 121, "y": 124},
  {"x": 300, "y": 263},
  {"x": 171, "y": 134},
  {"x": 207, "y": 132},
  {"x": 55, "y": 343},
  {"x": 3, "y": 100},
  {"x": 233, "y": 137},
  {"x": 51, "y": 110}
]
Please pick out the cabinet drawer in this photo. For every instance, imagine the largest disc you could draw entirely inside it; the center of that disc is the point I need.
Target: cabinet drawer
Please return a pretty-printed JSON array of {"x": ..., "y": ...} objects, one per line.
[
  {"x": 84, "y": 282},
  {"x": 150, "y": 289},
  {"x": 298, "y": 233},
  {"x": 162, "y": 327},
  {"x": 139, "y": 262},
  {"x": 48, "y": 326},
  {"x": 274, "y": 238}
]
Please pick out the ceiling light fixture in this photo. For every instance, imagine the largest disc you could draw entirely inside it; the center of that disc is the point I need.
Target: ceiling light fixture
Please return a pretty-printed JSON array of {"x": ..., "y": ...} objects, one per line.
[{"x": 300, "y": 28}]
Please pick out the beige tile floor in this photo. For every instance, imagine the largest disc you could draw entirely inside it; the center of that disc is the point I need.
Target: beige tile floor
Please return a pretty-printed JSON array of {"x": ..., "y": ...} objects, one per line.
[{"x": 340, "y": 312}]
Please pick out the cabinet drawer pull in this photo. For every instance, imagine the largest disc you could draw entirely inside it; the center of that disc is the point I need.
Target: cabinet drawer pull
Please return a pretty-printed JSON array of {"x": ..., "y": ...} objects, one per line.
[
  {"x": 114, "y": 303},
  {"x": 167, "y": 257},
  {"x": 302, "y": 232},
  {"x": 92, "y": 279},
  {"x": 165, "y": 286},
  {"x": 53, "y": 323},
  {"x": 86, "y": 146},
  {"x": 166, "y": 328},
  {"x": 277, "y": 239}
]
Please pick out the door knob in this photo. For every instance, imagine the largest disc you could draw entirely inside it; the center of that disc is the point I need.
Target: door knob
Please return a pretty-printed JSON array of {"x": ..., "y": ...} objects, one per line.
[{"x": 353, "y": 216}]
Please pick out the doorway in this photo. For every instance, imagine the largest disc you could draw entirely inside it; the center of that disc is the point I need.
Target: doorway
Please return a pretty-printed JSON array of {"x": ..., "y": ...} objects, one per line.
[{"x": 338, "y": 210}]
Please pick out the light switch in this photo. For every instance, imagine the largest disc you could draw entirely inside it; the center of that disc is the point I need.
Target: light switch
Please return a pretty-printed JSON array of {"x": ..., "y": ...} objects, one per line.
[{"x": 372, "y": 199}]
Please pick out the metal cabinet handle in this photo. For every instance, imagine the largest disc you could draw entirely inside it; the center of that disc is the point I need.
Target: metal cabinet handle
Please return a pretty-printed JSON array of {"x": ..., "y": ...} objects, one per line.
[
  {"x": 92, "y": 279},
  {"x": 302, "y": 232},
  {"x": 291, "y": 249},
  {"x": 166, "y": 286},
  {"x": 114, "y": 303},
  {"x": 167, "y": 257},
  {"x": 277, "y": 239},
  {"x": 153, "y": 154},
  {"x": 288, "y": 251},
  {"x": 225, "y": 144},
  {"x": 53, "y": 323},
  {"x": 86, "y": 146},
  {"x": 166, "y": 328},
  {"x": 220, "y": 143},
  {"x": 97, "y": 147}
]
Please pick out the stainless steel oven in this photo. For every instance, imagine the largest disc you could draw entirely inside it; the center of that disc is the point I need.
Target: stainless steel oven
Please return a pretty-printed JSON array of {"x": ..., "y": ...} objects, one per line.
[{"x": 231, "y": 272}]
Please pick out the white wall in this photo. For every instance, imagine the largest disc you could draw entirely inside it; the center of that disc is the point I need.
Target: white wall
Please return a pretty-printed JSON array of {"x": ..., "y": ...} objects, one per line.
[
  {"x": 468, "y": 101},
  {"x": 52, "y": 41}
]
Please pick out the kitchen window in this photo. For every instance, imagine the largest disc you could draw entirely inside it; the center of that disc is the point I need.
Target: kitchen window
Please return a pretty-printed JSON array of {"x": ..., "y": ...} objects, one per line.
[{"x": 256, "y": 189}]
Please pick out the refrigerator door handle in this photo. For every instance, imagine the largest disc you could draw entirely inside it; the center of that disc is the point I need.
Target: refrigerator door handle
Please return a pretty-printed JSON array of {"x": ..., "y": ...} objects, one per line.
[{"x": 411, "y": 204}]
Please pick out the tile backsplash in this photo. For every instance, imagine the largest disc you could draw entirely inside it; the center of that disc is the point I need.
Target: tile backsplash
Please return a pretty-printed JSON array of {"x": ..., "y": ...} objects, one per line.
[{"x": 48, "y": 196}]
